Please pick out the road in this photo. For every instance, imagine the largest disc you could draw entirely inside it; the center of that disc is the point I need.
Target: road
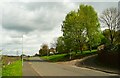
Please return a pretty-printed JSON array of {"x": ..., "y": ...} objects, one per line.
[{"x": 38, "y": 67}]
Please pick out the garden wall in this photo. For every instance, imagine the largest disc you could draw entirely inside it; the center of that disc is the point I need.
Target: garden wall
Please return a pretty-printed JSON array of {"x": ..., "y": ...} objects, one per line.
[{"x": 112, "y": 58}]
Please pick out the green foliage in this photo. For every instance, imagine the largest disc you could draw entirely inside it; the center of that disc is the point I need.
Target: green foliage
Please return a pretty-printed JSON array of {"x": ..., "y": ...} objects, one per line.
[
  {"x": 91, "y": 24},
  {"x": 14, "y": 69},
  {"x": 60, "y": 47},
  {"x": 44, "y": 50},
  {"x": 106, "y": 33},
  {"x": 112, "y": 48},
  {"x": 81, "y": 27},
  {"x": 54, "y": 58},
  {"x": 85, "y": 47},
  {"x": 104, "y": 40},
  {"x": 116, "y": 38}
]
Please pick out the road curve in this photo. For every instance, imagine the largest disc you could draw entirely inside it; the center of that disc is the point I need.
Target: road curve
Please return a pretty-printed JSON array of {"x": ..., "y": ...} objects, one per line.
[{"x": 52, "y": 69}]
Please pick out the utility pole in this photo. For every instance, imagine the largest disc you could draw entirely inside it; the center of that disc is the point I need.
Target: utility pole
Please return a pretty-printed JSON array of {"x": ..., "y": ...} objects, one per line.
[
  {"x": 17, "y": 53},
  {"x": 22, "y": 51}
]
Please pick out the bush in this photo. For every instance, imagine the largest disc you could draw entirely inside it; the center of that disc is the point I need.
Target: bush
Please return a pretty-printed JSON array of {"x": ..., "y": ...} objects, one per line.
[
  {"x": 112, "y": 48},
  {"x": 116, "y": 48}
]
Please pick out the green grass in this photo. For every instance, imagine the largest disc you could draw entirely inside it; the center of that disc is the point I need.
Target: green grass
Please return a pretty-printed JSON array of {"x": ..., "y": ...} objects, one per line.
[
  {"x": 14, "y": 69},
  {"x": 65, "y": 57},
  {"x": 92, "y": 51},
  {"x": 0, "y": 72},
  {"x": 54, "y": 58}
]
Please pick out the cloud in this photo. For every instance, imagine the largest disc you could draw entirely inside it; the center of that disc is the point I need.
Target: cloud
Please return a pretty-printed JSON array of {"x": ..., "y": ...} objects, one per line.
[
  {"x": 31, "y": 16},
  {"x": 119, "y": 6}
]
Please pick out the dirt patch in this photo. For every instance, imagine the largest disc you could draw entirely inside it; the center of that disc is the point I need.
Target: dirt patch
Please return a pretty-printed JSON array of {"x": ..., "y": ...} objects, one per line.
[
  {"x": 75, "y": 62},
  {"x": 72, "y": 62}
]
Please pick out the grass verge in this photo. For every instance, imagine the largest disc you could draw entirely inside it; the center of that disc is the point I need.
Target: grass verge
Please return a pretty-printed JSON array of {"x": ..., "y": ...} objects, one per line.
[
  {"x": 66, "y": 57},
  {"x": 55, "y": 58},
  {"x": 14, "y": 69}
]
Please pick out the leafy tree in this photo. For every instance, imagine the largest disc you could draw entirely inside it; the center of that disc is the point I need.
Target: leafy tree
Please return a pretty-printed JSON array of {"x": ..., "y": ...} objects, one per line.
[
  {"x": 106, "y": 33},
  {"x": 104, "y": 40},
  {"x": 44, "y": 50},
  {"x": 73, "y": 32},
  {"x": 40, "y": 52},
  {"x": 80, "y": 27},
  {"x": 60, "y": 47},
  {"x": 68, "y": 30},
  {"x": 117, "y": 37},
  {"x": 89, "y": 20}
]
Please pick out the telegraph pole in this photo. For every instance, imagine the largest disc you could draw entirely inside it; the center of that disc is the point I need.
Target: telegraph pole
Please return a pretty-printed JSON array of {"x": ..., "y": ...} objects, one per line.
[{"x": 22, "y": 50}]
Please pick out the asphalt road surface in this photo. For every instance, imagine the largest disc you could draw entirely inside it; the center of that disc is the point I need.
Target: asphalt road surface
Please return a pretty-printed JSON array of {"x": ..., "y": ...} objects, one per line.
[{"x": 37, "y": 67}]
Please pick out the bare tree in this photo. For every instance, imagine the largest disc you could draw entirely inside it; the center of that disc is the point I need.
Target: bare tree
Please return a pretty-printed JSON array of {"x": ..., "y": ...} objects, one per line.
[
  {"x": 53, "y": 43},
  {"x": 111, "y": 18}
]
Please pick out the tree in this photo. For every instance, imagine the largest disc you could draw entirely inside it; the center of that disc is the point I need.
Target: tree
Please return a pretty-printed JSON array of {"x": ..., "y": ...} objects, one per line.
[
  {"x": 73, "y": 32},
  {"x": 80, "y": 27},
  {"x": 111, "y": 18},
  {"x": 53, "y": 43},
  {"x": 107, "y": 36},
  {"x": 68, "y": 30},
  {"x": 40, "y": 52},
  {"x": 117, "y": 37},
  {"x": 60, "y": 47},
  {"x": 44, "y": 50},
  {"x": 89, "y": 20}
]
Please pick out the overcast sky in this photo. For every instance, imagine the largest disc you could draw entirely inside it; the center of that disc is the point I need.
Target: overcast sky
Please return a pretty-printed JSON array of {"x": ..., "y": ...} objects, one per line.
[{"x": 39, "y": 22}]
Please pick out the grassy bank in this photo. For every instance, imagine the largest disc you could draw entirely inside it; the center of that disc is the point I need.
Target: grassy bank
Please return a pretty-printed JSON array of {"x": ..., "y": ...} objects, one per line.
[
  {"x": 14, "y": 69},
  {"x": 9, "y": 59},
  {"x": 66, "y": 57}
]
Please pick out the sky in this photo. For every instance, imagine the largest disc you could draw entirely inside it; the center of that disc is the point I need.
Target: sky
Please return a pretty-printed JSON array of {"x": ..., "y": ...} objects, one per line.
[{"x": 37, "y": 22}]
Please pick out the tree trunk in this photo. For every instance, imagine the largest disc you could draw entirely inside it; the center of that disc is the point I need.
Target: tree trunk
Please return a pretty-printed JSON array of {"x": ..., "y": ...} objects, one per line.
[
  {"x": 81, "y": 50},
  {"x": 90, "y": 48},
  {"x": 111, "y": 37},
  {"x": 75, "y": 52}
]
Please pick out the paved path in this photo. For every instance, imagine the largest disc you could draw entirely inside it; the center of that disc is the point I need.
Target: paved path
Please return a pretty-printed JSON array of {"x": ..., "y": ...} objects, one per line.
[{"x": 39, "y": 67}]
